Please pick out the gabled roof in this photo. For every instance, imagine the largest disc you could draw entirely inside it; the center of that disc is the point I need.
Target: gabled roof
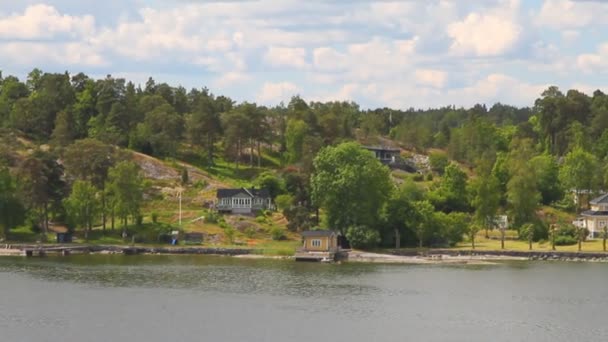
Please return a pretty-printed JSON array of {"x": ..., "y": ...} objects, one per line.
[
  {"x": 600, "y": 200},
  {"x": 224, "y": 193},
  {"x": 594, "y": 213},
  {"x": 318, "y": 233},
  {"x": 381, "y": 148}
]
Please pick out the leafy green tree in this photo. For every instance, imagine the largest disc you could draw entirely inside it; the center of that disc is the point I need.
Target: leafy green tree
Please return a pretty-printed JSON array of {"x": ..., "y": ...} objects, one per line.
[
  {"x": 126, "y": 187},
  {"x": 362, "y": 237},
  {"x": 89, "y": 159},
  {"x": 579, "y": 172},
  {"x": 83, "y": 205},
  {"x": 236, "y": 134},
  {"x": 203, "y": 125},
  {"x": 12, "y": 211},
  {"x": 523, "y": 196},
  {"x": 351, "y": 185},
  {"x": 438, "y": 161},
  {"x": 485, "y": 191},
  {"x": 399, "y": 212},
  {"x": 451, "y": 192},
  {"x": 63, "y": 133},
  {"x": 546, "y": 170},
  {"x": 294, "y": 137},
  {"x": 271, "y": 182},
  {"x": 424, "y": 221},
  {"x": 284, "y": 201}
]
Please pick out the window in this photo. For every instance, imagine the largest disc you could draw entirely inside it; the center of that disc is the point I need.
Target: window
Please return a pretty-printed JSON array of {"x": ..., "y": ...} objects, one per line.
[{"x": 316, "y": 243}]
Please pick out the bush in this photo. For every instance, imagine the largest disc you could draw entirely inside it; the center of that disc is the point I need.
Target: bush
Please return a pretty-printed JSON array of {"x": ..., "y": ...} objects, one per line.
[
  {"x": 229, "y": 233},
  {"x": 200, "y": 184},
  {"x": 139, "y": 220},
  {"x": 260, "y": 219},
  {"x": 429, "y": 177},
  {"x": 154, "y": 217},
  {"x": 284, "y": 201},
  {"x": 212, "y": 217},
  {"x": 438, "y": 161},
  {"x": 250, "y": 232},
  {"x": 418, "y": 177},
  {"x": 362, "y": 237},
  {"x": 277, "y": 233},
  {"x": 564, "y": 240}
]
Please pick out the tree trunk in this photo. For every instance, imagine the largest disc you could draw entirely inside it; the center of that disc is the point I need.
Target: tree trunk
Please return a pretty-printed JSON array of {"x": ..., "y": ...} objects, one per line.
[
  {"x": 259, "y": 155},
  {"x": 397, "y": 239},
  {"x": 210, "y": 149},
  {"x": 103, "y": 209},
  {"x": 487, "y": 232},
  {"x": 502, "y": 238},
  {"x": 473, "y": 241},
  {"x": 604, "y": 238},
  {"x": 238, "y": 152},
  {"x": 251, "y": 153},
  {"x": 46, "y": 219},
  {"x": 530, "y": 242},
  {"x": 112, "y": 223}
]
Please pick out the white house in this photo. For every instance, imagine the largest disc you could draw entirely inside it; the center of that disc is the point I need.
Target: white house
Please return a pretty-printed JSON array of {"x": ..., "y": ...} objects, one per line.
[
  {"x": 596, "y": 218},
  {"x": 243, "y": 200}
]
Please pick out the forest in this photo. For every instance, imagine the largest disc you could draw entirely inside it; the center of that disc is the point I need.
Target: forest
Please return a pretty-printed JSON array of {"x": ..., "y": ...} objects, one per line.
[{"x": 532, "y": 164}]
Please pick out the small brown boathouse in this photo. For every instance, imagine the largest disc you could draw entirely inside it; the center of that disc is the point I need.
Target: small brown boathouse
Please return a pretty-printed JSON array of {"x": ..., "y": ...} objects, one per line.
[{"x": 318, "y": 245}]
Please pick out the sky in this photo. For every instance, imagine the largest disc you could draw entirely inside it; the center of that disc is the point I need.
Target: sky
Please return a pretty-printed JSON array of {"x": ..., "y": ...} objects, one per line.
[{"x": 399, "y": 54}]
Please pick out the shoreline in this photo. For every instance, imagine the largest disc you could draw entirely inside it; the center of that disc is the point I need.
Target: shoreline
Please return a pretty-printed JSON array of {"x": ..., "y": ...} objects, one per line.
[{"x": 430, "y": 257}]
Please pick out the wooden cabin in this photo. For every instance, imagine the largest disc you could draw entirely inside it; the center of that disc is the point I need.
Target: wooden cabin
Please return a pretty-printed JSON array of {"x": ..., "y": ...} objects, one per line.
[{"x": 319, "y": 245}]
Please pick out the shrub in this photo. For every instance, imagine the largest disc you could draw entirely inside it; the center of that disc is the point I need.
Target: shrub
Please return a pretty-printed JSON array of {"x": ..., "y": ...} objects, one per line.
[
  {"x": 429, "y": 177},
  {"x": 362, "y": 237},
  {"x": 260, "y": 219},
  {"x": 564, "y": 240},
  {"x": 438, "y": 161},
  {"x": 200, "y": 184},
  {"x": 418, "y": 177},
  {"x": 139, "y": 220},
  {"x": 154, "y": 217},
  {"x": 284, "y": 201},
  {"x": 212, "y": 217},
  {"x": 250, "y": 232},
  {"x": 277, "y": 233},
  {"x": 229, "y": 233}
]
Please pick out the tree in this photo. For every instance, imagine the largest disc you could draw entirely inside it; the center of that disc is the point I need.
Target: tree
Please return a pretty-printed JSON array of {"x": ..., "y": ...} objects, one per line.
[
  {"x": 579, "y": 172},
  {"x": 472, "y": 232},
  {"x": 546, "y": 170},
  {"x": 486, "y": 195},
  {"x": 63, "y": 133},
  {"x": 451, "y": 192},
  {"x": 399, "y": 212},
  {"x": 527, "y": 231},
  {"x": 351, "y": 185},
  {"x": 125, "y": 186},
  {"x": 272, "y": 183},
  {"x": 11, "y": 209},
  {"x": 203, "y": 125},
  {"x": 89, "y": 159},
  {"x": 83, "y": 205},
  {"x": 294, "y": 137},
  {"x": 522, "y": 190},
  {"x": 424, "y": 220}
]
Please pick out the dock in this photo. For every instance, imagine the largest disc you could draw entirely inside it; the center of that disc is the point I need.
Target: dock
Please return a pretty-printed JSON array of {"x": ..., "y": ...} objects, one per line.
[{"x": 325, "y": 256}]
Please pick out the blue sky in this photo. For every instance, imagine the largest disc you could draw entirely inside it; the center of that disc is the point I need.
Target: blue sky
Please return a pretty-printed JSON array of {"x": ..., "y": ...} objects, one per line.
[{"x": 400, "y": 54}]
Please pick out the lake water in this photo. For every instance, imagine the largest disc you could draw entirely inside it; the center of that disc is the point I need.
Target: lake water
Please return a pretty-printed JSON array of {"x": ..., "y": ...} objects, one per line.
[{"x": 201, "y": 298}]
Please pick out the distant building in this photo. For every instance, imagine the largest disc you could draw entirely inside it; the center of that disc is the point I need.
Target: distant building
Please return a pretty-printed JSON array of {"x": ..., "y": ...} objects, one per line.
[
  {"x": 319, "y": 245},
  {"x": 243, "y": 200},
  {"x": 391, "y": 157},
  {"x": 595, "y": 219}
]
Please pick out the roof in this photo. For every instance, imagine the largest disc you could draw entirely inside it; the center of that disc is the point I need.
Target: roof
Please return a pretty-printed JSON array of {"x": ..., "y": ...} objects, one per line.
[
  {"x": 381, "y": 148},
  {"x": 600, "y": 200},
  {"x": 318, "y": 233},
  {"x": 594, "y": 213},
  {"x": 253, "y": 192}
]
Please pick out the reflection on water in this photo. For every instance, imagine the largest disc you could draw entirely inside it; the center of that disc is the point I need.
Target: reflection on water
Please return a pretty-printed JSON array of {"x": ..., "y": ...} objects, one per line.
[{"x": 160, "y": 298}]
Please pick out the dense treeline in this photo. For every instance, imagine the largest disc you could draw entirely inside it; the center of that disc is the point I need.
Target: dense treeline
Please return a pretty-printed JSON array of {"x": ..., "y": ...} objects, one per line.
[{"x": 522, "y": 158}]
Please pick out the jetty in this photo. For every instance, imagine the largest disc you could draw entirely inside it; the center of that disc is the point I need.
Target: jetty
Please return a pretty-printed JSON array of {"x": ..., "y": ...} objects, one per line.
[{"x": 65, "y": 250}]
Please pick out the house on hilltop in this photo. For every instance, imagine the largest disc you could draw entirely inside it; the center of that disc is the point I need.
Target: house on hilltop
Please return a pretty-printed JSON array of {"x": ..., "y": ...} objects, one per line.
[
  {"x": 243, "y": 200},
  {"x": 392, "y": 158}
]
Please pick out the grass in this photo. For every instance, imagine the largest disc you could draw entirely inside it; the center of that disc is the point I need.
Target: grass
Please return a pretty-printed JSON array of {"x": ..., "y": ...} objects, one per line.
[{"x": 483, "y": 244}]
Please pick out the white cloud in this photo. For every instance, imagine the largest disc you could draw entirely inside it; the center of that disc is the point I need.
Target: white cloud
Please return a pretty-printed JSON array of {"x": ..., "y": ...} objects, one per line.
[
  {"x": 282, "y": 56},
  {"x": 42, "y": 22},
  {"x": 483, "y": 35},
  {"x": 595, "y": 62},
  {"x": 273, "y": 93},
  {"x": 433, "y": 78},
  {"x": 31, "y": 54},
  {"x": 232, "y": 78},
  {"x": 327, "y": 58},
  {"x": 568, "y": 14}
]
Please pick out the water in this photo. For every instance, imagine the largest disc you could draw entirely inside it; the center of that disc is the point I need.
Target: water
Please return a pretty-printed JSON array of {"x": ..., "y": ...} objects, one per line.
[{"x": 201, "y": 298}]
